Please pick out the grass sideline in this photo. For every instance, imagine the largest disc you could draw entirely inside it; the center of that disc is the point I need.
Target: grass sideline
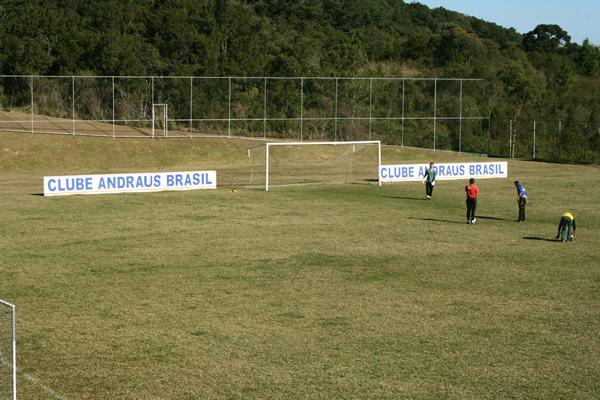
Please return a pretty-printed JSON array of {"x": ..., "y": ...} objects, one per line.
[{"x": 341, "y": 291}]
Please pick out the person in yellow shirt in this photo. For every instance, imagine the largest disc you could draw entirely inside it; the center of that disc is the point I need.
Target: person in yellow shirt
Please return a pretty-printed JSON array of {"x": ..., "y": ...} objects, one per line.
[{"x": 566, "y": 227}]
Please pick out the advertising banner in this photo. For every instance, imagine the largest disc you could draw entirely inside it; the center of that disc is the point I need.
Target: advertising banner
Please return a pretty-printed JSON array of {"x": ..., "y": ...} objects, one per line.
[
  {"x": 445, "y": 171},
  {"x": 123, "y": 183}
]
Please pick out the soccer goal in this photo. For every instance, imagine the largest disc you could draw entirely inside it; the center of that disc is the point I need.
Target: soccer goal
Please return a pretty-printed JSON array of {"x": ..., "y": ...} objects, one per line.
[
  {"x": 298, "y": 163},
  {"x": 8, "y": 352},
  {"x": 160, "y": 120}
]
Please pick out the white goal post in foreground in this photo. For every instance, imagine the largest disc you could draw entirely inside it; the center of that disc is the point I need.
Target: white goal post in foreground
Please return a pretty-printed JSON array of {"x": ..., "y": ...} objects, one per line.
[
  {"x": 8, "y": 351},
  {"x": 342, "y": 143}
]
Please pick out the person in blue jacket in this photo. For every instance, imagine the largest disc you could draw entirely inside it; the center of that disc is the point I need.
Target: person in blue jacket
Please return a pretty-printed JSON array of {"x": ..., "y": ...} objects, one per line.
[{"x": 521, "y": 200}]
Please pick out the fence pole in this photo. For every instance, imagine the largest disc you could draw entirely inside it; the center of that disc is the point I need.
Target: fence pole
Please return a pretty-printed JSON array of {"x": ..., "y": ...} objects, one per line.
[
  {"x": 534, "y": 139},
  {"x": 489, "y": 132},
  {"x": 31, "y": 86},
  {"x": 301, "y": 107},
  {"x": 113, "y": 110},
  {"x": 510, "y": 133},
  {"x": 152, "y": 94},
  {"x": 265, "y": 110},
  {"x": 191, "y": 103},
  {"x": 559, "y": 138},
  {"x": 370, "y": 104},
  {"x": 434, "y": 109},
  {"x": 229, "y": 109},
  {"x": 73, "y": 102},
  {"x": 402, "y": 125},
  {"x": 460, "y": 117},
  {"x": 336, "y": 111}
]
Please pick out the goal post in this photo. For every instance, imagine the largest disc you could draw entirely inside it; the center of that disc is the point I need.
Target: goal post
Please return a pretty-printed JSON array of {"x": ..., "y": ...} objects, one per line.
[
  {"x": 326, "y": 162},
  {"x": 160, "y": 120},
  {"x": 8, "y": 351}
]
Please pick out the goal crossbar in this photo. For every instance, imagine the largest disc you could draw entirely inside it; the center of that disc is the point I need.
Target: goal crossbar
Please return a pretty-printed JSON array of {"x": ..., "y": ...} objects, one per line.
[{"x": 357, "y": 142}]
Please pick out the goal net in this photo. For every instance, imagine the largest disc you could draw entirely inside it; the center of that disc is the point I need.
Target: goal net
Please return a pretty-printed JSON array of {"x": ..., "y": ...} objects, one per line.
[
  {"x": 8, "y": 358},
  {"x": 298, "y": 163}
]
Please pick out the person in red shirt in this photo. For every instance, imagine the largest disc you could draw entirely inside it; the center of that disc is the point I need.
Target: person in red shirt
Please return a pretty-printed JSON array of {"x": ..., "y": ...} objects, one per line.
[{"x": 472, "y": 192}]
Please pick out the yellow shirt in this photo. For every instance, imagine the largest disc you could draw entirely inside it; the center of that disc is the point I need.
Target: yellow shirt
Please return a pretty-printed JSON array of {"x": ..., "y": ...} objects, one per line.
[{"x": 569, "y": 215}]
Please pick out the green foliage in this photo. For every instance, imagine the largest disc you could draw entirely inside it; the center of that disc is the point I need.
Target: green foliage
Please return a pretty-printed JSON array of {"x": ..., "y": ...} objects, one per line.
[{"x": 537, "y": 75}]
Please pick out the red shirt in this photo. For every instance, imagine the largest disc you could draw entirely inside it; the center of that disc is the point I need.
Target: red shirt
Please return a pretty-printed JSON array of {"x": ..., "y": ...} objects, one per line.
[{"x": 472, "y": 191}]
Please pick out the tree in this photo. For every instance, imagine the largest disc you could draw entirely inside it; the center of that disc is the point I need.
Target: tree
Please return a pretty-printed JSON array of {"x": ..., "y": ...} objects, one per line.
[
  {"x": 523, "y": 84},
  {"x": 546, "y": 39}
]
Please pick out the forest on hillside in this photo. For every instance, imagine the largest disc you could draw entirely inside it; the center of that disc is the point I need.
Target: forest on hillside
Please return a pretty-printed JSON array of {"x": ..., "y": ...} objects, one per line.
[{"x": 540, "y": 75}]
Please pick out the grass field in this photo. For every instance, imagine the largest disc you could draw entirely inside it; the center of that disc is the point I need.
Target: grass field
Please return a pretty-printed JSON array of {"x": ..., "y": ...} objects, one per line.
[{"x": 312, "y": 292}]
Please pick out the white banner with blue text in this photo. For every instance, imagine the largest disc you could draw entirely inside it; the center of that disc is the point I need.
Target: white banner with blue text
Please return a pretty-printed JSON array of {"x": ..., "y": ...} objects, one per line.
[
  {"x": 122, "y": 183},
  {"x": 444, "y": 171}
]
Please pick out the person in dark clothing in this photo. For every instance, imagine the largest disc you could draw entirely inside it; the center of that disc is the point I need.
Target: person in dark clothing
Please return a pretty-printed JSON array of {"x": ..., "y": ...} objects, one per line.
[
  {"x": 472, "y": 192},
  {"x": 567, "y": 227},
  {"x": 429, "y": 178},
  {"x": 521, "y": 200}
]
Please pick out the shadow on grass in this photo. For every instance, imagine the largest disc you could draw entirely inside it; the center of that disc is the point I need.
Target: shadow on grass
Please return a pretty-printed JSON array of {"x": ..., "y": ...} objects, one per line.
[
  {"x": 405, "y": 198},
  {"x": 540, "y": 238},
  {"x": 494, "y": 218},
  {"x": 438, "y": 220}
]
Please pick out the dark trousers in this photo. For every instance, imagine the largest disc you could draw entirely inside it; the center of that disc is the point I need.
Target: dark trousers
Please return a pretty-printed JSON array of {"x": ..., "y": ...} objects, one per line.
[
  {"x": 522, "y": 203},
  {"x": 428, "y": 188},
  {"x": 566, "y": 228},
  {"x": 471, "y": 206}
]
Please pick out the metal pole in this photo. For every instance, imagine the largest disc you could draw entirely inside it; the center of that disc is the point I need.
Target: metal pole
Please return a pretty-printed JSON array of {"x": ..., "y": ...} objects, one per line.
[
  {"x": 370, "y": 104},
  {"x": 402, "y": 126},
  {"x": 113, "y": 110},
  {"x": 301, "y": 107},
  {"x": 510, "y": 148},
  {"x": 534, "y": 139},
  {"x": 229, "y": 108},
  {"x": 31, "y": 85},
  {"x": 559, "y": 138},
  {"x": 336, "y": 111},
  {"x": 73, "y": 102},
  {"x": 14, "y": 351},
  {"x": 489, "y": 131},
  {"x": 379, "y": 162},
  {"x": 265, "y": 110},
  {"x": 191, "y": 103},
  {"x": 152, "y": 94},
  {"x": 267, "y": 167},
  {"x": 434, "y": 109},
  {"x": 460, "y": 118}
]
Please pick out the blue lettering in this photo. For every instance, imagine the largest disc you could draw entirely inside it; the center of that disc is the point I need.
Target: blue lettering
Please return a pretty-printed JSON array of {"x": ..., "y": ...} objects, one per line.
[
  {"x": 208, "y": 181},
  {"x": 52, "y": 185},
  {"x": 197, "y": 178},
  {"x": 88, "y": 183},
  {"x": 478, "y": 169},
  {"x": 170, "y": 180},
  {"x": 101, "y": 183},
  {"x": 461, "y": 170},
  {"x": 157, "y": 180}
]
